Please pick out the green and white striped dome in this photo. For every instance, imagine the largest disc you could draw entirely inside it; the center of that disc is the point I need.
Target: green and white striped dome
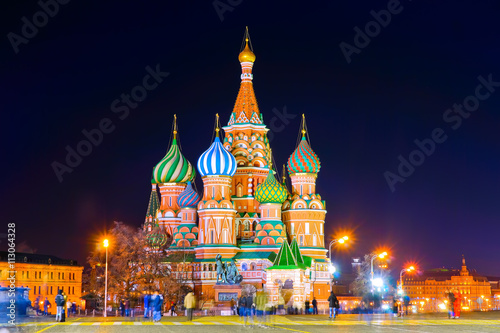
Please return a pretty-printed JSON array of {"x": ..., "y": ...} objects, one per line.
[{"x": 173, "y": 168}]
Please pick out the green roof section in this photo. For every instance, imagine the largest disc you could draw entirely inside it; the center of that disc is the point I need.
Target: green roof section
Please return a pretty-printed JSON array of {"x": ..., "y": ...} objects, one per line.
[
  {"x": 284, "y": 267},
  {"x": 285, "y": 257},
  {"x": 154, "y": 204},
  {"x": 296, "y": 251}
]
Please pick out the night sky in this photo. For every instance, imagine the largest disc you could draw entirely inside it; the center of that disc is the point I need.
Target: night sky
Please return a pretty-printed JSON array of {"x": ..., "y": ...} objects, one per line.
[{"x": 361, "y": 115}]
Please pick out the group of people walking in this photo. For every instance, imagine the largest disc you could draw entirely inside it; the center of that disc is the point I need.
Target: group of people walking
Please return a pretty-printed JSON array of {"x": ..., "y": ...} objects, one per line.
[
  {"x": 153, "y": 305},
  {"x": 314, "y": 308},
  {"x": 454, "y": 303}
]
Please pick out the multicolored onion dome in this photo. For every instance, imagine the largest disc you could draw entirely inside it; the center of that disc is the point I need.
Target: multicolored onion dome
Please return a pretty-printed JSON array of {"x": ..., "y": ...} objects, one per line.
[
  {"x": 270, "y": 191},
  {"x": 157, "y": 238},
  {"x": 188, "y": 198},
  {"x": 217, "y": 161},
  {"x": 303, "y": 159},
  {"x": 173, "y": 168}
]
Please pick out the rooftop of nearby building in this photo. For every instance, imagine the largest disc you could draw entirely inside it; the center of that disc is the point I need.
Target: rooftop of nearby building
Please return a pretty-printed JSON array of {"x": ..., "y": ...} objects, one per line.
[
  {"x": 443, "y": 274},
  {"x": 34, "y": 258}
]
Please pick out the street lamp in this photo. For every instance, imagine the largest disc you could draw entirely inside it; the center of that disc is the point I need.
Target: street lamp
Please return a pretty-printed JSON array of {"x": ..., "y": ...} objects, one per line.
[
  {"x": 106, "y": 244},
  {"x": 381, "y": 256},
  {"x": 340, "y": 240},
  {"x": 409, "y": 269}
]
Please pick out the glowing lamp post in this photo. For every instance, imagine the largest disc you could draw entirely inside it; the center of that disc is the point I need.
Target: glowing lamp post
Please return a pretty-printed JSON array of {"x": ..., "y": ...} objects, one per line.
[
  {"x": 409, "y": 269},
  {"x": 106, "y": 244},
  {"x": 340, "y": 240},
  {"x": 381, "y": 256}
]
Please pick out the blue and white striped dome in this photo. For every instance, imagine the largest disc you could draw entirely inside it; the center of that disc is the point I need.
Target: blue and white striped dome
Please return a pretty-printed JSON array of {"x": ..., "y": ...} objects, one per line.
[{"x": 217, "y": 161}]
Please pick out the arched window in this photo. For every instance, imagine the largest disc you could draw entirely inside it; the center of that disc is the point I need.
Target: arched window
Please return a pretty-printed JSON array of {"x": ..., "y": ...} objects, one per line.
[
  {"x": 253, "y": 266},
  {"x": 244, "y": 266}
]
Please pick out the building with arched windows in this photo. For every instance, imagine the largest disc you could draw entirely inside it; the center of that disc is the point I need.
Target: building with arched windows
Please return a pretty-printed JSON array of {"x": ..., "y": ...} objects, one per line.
[{"x": 275, "y": 233}]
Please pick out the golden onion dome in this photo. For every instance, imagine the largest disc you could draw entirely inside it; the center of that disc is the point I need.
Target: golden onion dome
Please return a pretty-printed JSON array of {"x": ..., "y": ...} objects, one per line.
[{"x": 246, "y": 55}]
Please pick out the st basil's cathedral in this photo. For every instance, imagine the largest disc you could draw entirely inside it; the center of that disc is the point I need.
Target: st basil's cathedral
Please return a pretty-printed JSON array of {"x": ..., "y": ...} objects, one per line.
[{"x": 275, "y": 234}]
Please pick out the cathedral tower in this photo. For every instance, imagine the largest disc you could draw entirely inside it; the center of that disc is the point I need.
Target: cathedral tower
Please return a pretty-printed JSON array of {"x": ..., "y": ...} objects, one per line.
[
  {"x": 304, "y": 214},
  {"x": 245, "y": 138},
  {"x": 216, "y": 210},
  {"x": 171, "y": 175},
  {"x": 185, "y": 236}
]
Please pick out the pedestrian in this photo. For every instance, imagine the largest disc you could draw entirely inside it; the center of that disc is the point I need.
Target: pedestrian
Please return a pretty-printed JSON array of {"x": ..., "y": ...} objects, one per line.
[
  {"x": 59, "y": 300},
  {"x": 36, "y": 307},
  {"x": 307, "y": 306},
  {"x": 260, "y": 305},
  {"x": 172, "y": 308},
  {"x": 315, "y": 306},
  {"x": 281, "y": 305},
  {"x": 189, "y": 304},
  {"x": 46, "y": 306},
  {"x": 122, "y": 308},
  {"x": 451, "y": 301},
  {"x": 248, "y": 307},
  {"x": 68, "y": 307},
  {"x": 242, "y": 305},
  {"x": 146, "y": 305},
  {"x": 457, "y": 303},
  {"x": 157, "y": 306},
  {"x": 231, "y": 303},
  {"x": 333, "y": 304},
  {"x": 127, "y": 307},
  {"x": 394, "y": 307}
]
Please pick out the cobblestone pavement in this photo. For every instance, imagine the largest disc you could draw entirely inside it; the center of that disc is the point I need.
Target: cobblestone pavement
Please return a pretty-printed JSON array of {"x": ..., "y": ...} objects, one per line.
[{"x": 474, "y": 322}]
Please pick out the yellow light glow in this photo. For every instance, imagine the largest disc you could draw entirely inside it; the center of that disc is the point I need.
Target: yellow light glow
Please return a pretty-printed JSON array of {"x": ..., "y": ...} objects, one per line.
[
  {"x": 341, "y": 241},
  {"x": 105, "y": 243},
  {"x": 382, "y": 255},
  {"x": 411, "y": 268},
  {"x": 345, "y": 238}
]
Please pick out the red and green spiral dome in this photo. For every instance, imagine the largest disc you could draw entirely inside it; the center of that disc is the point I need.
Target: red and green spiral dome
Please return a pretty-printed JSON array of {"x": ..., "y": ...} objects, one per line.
[{"x": 303, "y": 159}]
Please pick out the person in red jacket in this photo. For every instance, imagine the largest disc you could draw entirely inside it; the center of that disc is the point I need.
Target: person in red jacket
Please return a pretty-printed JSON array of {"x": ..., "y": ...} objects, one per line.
[{"x": 457, "y": 303}]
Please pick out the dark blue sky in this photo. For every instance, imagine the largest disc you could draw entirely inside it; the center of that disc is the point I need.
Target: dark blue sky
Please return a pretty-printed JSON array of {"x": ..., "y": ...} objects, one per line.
[{"x": 361, "y": 115}]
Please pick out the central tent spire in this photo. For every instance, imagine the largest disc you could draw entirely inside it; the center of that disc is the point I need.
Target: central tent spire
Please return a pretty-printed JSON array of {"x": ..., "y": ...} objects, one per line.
[{"x": 246, "y": 109}]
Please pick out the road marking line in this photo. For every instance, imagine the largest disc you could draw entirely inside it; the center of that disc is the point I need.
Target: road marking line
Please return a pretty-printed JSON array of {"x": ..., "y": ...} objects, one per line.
[
  {"x": 46, "y": 328},
  {"x": 289, "y": 329},
  {"x": 399, "y": 329},
  {"x": 137, "y": 323},
  {"x": 117, "y": 323}
]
